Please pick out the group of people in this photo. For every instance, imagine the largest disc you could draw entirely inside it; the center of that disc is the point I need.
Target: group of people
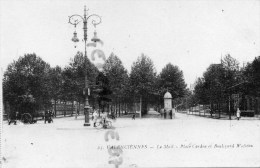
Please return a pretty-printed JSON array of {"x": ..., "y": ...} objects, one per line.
[
  {"x": 103, "y": 115},
  {"x": 164, "y": 113},
  {"x": 13, "y": 118},
  {"x": 48, "y": 116}
]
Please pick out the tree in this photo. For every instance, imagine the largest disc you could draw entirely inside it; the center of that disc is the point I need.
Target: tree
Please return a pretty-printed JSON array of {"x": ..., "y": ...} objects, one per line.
[
  {"x": 55, "y": 84},
  {"x": 116, "y": 73},
  {"x": 251, "y": 74},
  {"x": 171, "y": 79},
  {"x": 103, "y": 90},
  {"x": 210, "y": 88},
  {"x": 200, "y": 92},
  {"x": 74, "y": 78},
  {"x": 230, "y": 79},
  {"x": 190, "y": 99},
  {"x": 143, "y": 79},
  {"x": 214, "y": 87},
  {"x": 69, "y": 85},
  {"x": 230, "y": 63},
  {"x": 231, "y": 71},
  {"x": 25, "y": 84},
  {"x": 118, "y": 79}
]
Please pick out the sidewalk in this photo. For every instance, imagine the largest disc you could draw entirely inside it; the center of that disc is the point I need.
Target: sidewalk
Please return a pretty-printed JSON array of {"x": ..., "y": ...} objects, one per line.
[{"x": 223, "y": 116}]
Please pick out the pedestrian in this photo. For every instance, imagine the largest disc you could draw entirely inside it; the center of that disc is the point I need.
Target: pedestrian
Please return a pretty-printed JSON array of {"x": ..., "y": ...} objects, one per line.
[
  {"x": 164, "y": 113},
  {"x": 50, "y": 116},
  {"x": 238, "y": 114},
  {"x": 171, "y": 114},
  {"x": 133, "y": 117},
  {"x": 16, "y": 117},
  {"x": 113, "y": 115},
  {"x": 46, "y": 116},
  {"x": 104, "y": 117},
  {"x": 161, "y": 112},
  {"x": 95, "y": 115},
  {"x": 13, "y": 118}
]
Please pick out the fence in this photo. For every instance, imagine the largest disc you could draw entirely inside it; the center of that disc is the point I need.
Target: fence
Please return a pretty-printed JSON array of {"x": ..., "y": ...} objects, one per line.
[
  {"x": 67, "y": 109},
  {"x": 200, "y": 110}
]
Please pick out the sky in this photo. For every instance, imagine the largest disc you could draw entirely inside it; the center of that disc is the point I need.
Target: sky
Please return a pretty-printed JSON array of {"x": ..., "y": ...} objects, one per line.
[{"x": 189, "y": 34}]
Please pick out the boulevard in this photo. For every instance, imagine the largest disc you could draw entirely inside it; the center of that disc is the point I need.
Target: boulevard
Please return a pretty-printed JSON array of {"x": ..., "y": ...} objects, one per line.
[
  {"x": 180, "y": 81},
  {"x": 187, "y": 140}
]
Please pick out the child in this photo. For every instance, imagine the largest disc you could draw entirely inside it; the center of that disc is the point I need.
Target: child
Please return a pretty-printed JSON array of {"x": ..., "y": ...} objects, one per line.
[{"x": 133, "y": 118}]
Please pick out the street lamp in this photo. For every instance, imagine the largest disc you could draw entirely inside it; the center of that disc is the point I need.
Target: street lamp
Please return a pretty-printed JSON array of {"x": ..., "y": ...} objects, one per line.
[{"x": 75, "y": 20}]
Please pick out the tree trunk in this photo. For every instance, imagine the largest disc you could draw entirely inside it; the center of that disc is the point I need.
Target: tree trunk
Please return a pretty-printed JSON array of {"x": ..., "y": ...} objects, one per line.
[
  {"x": 65, "y": 108},
  {"x": 204, "y": 109},
  {"x": 76, "y": 110},
  {"x": 79, "y": 106},
  {"x": 219, "y": 110},
  {"x": 116, "y": 108},
  {"x": 111, "y": 108},
  {"x": 125, "y": 108},
  {"x": 199, "y": 110},
  {"x": 55, "y": 109},
  {"x": 211, "y": 109},
  {"x": 119, "y": 110},
  {"x": 229, "y": 106},
  {"x": 140, "y": 106},
  {"x": 72, "y": 108}
]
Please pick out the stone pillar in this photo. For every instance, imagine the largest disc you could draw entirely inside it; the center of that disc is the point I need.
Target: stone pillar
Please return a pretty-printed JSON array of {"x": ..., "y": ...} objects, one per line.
[{"x": 167, "y": 103}]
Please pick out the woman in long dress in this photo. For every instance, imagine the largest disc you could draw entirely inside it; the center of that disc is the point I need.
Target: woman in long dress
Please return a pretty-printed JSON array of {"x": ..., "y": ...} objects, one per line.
[
  {"x": 95, "y": 116},
  {"x": 238, "y": 114}
]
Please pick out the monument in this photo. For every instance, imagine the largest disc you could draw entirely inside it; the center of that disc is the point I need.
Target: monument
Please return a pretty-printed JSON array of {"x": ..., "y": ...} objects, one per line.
[{"x": 168, "y": 112}]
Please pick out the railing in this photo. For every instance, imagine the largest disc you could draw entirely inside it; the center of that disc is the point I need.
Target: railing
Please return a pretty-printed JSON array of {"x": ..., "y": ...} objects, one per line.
[
  {"x": 249, "y": 113},
  {"x": 63, "y": 109}
]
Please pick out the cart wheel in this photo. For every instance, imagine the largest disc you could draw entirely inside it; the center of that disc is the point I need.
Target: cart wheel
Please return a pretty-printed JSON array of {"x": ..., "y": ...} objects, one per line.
[
  {"x": 109, "y": 124},
  {"x": 98, "y": 124},
  {"x": 26, "y": 118}
]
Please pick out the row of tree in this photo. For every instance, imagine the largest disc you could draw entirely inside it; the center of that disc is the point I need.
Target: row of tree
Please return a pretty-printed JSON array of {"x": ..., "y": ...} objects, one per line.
[
  {"x": 30, "y": 83},
  {"x": 222, "y": 80}
]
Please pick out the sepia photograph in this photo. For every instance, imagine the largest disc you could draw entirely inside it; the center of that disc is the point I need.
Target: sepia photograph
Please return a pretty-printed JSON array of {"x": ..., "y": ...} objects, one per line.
[{"x": 130, "y": 83}]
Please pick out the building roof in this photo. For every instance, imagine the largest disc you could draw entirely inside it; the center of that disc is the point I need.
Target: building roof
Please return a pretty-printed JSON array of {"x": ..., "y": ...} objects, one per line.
[{"x": 167, "y": 95}]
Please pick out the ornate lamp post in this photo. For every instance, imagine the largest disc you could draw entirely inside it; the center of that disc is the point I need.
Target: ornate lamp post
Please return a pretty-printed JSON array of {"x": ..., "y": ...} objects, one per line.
[{"x": 75, "y": 20}]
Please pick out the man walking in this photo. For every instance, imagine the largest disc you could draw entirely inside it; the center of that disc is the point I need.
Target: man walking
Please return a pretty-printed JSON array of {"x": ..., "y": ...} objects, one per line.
[{"x": 170, "y": 114}]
